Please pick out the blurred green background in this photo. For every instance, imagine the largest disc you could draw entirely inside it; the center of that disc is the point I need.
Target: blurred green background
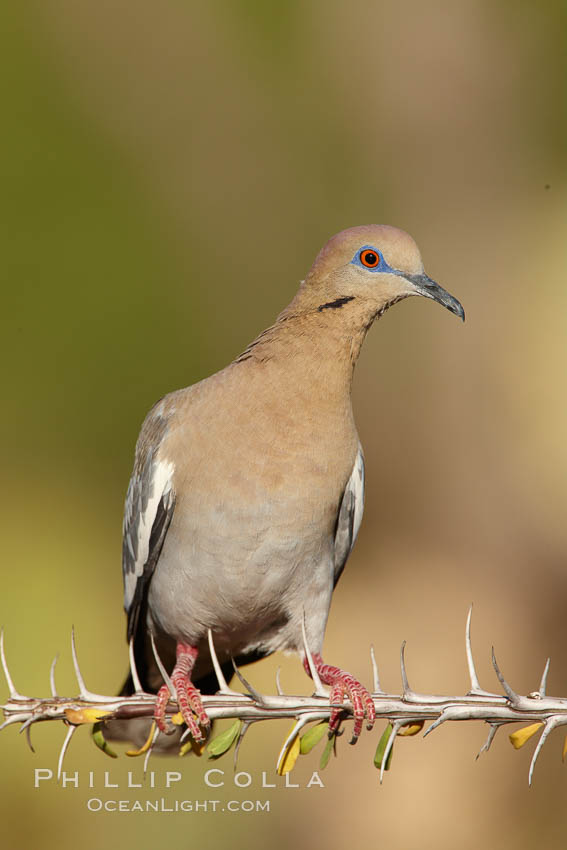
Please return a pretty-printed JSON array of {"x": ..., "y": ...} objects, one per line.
[{"x": 168, "y": 174}]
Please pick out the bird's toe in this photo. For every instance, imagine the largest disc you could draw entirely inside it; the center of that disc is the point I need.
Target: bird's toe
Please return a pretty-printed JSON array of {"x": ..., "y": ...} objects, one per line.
[
  {"x": 344, "y": 684},
  {"x": 190, "y": 705}
]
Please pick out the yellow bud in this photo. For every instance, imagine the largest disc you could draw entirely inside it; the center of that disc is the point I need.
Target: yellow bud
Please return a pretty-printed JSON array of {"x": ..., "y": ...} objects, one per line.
[
  {"x": 77, "y": 716},
  {"x": 411, "y": 729},
  {"x": 184, "y": 748},
  {"x": 519, "y": 738}
]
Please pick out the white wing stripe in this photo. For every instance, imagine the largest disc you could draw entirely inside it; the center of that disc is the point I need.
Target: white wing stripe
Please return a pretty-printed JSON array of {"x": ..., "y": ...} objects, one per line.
[
  {"x": 160, "y": 485},
  {"x": 350, "y": 515},
  {"x": 356, "y": 482}
]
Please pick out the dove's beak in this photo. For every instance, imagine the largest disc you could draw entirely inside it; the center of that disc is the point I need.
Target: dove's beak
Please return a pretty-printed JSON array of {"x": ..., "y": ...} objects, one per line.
[{"x": 425, "y": 286}]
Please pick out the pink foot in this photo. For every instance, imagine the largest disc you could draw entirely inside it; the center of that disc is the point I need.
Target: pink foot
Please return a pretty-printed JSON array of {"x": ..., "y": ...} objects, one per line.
[
  {"x": 188, "y": 697},
  {"x": 343, "y": 684}
]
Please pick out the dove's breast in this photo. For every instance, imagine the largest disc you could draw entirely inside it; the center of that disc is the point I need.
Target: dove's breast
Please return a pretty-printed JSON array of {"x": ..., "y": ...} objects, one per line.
[{"x": 251, "y": 539}]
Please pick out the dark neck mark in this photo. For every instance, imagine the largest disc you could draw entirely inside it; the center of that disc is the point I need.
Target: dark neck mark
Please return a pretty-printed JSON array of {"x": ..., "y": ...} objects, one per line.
[{"x": 334, "y": 305}]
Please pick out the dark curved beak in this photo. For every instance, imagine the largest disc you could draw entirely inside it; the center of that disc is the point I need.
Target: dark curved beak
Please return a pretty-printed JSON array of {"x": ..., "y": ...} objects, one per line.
[{"x": 427, "y": 287}]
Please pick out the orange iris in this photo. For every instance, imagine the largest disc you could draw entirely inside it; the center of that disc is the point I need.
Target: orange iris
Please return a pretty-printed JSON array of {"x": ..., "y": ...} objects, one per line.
[{"x": 370, "y": 258}]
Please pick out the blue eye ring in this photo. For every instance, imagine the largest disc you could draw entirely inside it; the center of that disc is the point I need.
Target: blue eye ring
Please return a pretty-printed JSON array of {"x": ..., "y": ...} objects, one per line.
[{"x": 369, "y": 258}]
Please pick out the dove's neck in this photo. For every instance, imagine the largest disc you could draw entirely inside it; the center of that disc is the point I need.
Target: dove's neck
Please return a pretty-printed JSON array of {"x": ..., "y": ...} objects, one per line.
[{"x": 318, "y": 348}]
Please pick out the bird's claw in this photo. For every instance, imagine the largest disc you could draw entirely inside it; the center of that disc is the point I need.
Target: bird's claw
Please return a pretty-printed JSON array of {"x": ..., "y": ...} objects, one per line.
[
  {"x": 189, "y": 704},
  {"x": 344, "y": 684}
]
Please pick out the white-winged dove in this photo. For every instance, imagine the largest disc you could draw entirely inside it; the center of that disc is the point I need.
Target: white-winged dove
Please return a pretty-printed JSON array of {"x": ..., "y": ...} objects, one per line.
[{"x": 248, "y": 487}]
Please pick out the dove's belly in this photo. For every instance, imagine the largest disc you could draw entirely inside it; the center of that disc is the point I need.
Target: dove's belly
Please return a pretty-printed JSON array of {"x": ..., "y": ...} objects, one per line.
[{"x": 247, "y": 578}]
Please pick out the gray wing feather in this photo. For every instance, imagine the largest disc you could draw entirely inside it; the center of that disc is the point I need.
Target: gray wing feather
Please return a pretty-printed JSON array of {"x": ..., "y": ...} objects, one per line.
[
  {"x": 350, "y": 515},
  {"x": 150, "y": 502}
]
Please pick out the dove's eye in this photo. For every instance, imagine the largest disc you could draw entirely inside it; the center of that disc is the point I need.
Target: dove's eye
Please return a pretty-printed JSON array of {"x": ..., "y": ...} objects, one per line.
[{"x": 369, "y": 258}]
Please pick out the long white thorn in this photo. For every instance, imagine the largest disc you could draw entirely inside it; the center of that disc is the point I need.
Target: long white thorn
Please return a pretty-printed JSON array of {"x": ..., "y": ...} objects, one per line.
[
  {"x": 70, "y": 732},
  {"x": 543, "y": 683},
  {"x": 550, "y": 724},
  {"x": 11, "y": 687},
  {"x": 494, "y": 727},
  {"x": 291, "y": 738},
  {"x": 16, "y": 718},
  {"x": 246, "y": 724},
  {"x": 52, "y": 677},
  {"x": 375, "y": 676},
  {"x": 28, "y": 739},
  {"x": 512, "y": 695},
  {"x": 475, "y": 689},
  {"x": 162, "y": 670},
  {"x": 250, "y": 688},
  {"x": 278, "y": 682},
  {"x": 148, "y": 754},
  {"x": 475, "y": 684},
  {"x": 83, "y": 690},
  {"x": 396, "y": 726},
  {"x": 405, "y": 683},
  {"x": 27, "y": 723},
  {"x": 319, "y": 689},
  {"x": 436, "y": 723},
  {"x": 133, "y": 669},
  {"x": 223, "y": 684},
  {"x": 82, "y": 687}
]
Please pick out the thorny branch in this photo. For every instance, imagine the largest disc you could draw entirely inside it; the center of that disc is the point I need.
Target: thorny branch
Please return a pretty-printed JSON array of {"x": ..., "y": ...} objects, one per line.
[{"x": 406, "y": 711}]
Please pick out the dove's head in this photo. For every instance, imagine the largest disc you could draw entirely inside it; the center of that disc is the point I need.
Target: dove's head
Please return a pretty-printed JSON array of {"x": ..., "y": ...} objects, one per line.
[{"x": 369, "y": 267}]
